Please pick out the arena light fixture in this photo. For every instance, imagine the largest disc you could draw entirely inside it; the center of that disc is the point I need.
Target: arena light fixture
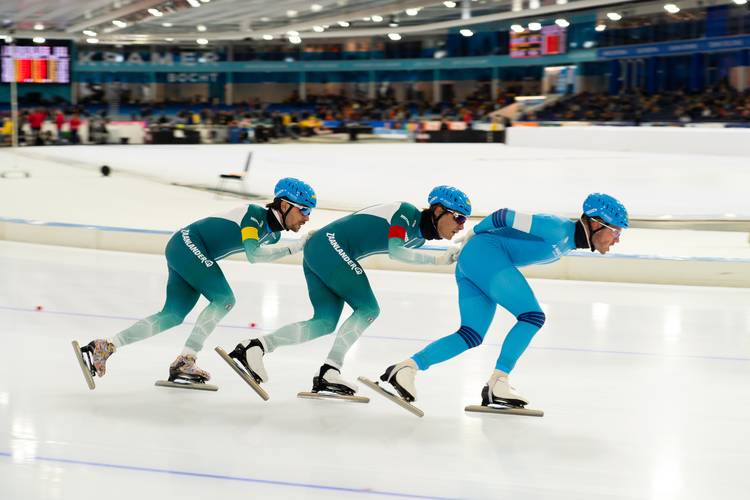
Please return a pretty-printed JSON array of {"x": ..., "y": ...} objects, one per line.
[
  {"x": 671, "y": 8},
  {"x": 393, "y": 23},
  {"x": 412, "y": 12},
  {"x": 466, "y": 32},
  {"x": 8, "y": 39},
  {"x": 563, "y": 23},
  {"x": 344, "y": 24},
  {"x": 535, "y": 26},
  {"x": 200, "y": 27},
  {"x": 169, "y": 39},
  {"x": 194, "y": 3},
  {"x": 534, "y": 4},
  {"x": 600, "y": 27},
  {"x": 316, "y": 7},
  {"x": 38, "y": 39},
  {"x": 201, "y": 41},
  {"x": 155, "y": 12},
  {"x": 291, "y": 13},
  {"x": 265, "y": 19},
  {"x": 366, "y": 19},
  {"x": 295, "y": 39},
  {"x": 613, "y": 16},
  {"x": 92, "y": 40},
  {"x": 89, "y": 33},
  {"x": 517, "y": 28},
  {"x": 394, "y": 36},
  {"x": 39, "y": 26},
  {"x": 318, "y": 29},
  {"x": 205, "y": 1},
  {"x": 292, "y": 33},
  {"x": 268, "y": 37},
  {"x": 561, "y": 2},
  {"x": 377, "y": 19},
  {"x": 167, "y": 25},
  {"x": 449, "y": 4},
  {"x": 740, "y": 2}
]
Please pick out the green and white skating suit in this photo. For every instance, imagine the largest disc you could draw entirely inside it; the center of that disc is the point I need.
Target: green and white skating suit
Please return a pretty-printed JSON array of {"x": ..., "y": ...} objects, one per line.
[
  {"x": 334, "y": 273},
  {"x": 192, "y": 254}
]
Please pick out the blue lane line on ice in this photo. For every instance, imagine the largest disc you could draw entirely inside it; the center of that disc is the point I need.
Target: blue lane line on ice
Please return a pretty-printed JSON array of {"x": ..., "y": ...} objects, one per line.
[
  {"x": 402, "y": 339},
  {"x": 203, "y": 475}
]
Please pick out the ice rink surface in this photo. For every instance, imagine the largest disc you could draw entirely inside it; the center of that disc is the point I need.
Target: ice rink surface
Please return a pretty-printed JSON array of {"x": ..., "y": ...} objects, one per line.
[{"x": 644, "y": 388}]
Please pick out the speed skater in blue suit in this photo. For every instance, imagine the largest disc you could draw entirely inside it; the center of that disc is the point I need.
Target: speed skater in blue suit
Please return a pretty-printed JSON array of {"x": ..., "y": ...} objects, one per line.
[{"x": 487, "y": 275}]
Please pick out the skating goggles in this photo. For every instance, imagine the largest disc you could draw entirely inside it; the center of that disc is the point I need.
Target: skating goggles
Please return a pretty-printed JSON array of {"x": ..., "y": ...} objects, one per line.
[
  {"x": 303, "y": 209},
  {"x": 615, "y": 230},
  {"x": 459, "y": 218}
]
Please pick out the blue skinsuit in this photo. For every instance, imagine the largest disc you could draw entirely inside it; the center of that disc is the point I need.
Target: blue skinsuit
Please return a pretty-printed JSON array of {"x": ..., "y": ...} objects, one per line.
[{"x": 487, "y": 275}]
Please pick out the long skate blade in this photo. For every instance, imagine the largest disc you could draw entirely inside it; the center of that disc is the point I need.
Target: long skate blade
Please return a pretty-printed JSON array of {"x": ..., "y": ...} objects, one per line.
[
  {"x": 403, "y": 404},
  {"x": 506, "y": 411},
  {"x": 330, "y": 395},
  {"x": 245, "y": 376},
  {"x": 186, "y": 385},
  {"x": 83, "y": 365}
]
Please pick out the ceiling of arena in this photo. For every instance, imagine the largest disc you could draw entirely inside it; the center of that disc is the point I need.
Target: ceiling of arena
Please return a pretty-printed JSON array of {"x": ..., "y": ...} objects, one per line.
[{"x": 154, "y": 21}]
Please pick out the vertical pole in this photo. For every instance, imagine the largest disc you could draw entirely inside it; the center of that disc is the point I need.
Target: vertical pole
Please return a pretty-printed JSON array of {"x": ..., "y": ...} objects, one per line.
[{"x": 14, "y": 96}]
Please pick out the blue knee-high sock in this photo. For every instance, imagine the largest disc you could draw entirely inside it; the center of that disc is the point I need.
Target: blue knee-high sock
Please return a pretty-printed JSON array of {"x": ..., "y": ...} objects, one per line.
[
  {"x": 447, "y": 347},
  {"x": 518, "y": 339}
]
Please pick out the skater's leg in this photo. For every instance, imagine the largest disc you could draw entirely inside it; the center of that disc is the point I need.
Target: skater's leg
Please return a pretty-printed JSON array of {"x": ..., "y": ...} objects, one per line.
[
  {"x": 510, "y": 290},
  {"x": 181, "y": 298},
  {"x": 215, "y": 288},
  {"x": 357, "y": 292},
  {"x": 477, "y": 311},
  {"x": 327, "y": 307}
]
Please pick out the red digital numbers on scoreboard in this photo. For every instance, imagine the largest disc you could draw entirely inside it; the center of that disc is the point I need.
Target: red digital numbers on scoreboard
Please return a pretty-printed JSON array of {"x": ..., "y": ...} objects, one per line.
[{"x": 549, "y": 41}]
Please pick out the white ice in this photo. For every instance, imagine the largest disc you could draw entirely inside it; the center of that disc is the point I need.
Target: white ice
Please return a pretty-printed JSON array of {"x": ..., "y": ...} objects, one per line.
[{"x": 644, "y": 390}]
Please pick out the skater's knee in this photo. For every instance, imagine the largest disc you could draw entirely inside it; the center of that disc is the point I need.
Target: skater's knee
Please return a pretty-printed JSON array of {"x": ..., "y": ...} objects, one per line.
[
  {"x": 369, "y": 312},
  {"x": 536, "y": 318},
  {"x": 226, "y": 302},
  {"x": 470, "y": 336},
  {"x": 171, "y": 319}
]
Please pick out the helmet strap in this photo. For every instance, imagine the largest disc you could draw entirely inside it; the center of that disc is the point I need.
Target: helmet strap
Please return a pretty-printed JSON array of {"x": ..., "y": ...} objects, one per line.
[{"x": 589, "y": 232}]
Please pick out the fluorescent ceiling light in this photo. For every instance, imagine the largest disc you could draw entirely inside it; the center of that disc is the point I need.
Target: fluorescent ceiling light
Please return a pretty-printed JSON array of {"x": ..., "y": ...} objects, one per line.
[
  {"x": 614, "y": 16},
  {"x": 377, "y": 19},
  {"x": 38, "y": 39},
  {"x": 194, "y": 3},
  {"x": 89, "y": 33},
  {"x": 671, "y": 8},
  {"x": 39, "y": 26},
  {"x": 394, "y": 36},
  {"x": 119, "y": 24},
  {"x": 535, "y": 26},
  {"x": 92, "y": 40},
  {"x": 518, "y": 28},
  {"x": 155, "y": 12},
  {"x": 466, "y": 32},
  {"x": 201, "y": 41},
  {"x": 267, "y": 37},
  {"x": 344, "y": 24},
  {"x": 449, "y": 4},
  {"x": 412, "y": 12},
  {"x": 167, "y": 25},
  {"x": 316, "y": 7},
  {"x": 318, "y": 29},
  {"x": 200, "y": 27},
  {"x": 601, "y": 27},
  {"x": 563, "y": 23},
  {"x": 291, "y": 13},
  {"x": 295, "y": 39}
]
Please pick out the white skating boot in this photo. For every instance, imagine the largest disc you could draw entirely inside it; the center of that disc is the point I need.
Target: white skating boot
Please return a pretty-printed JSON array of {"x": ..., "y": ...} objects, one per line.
[
  {"x": 401, "y": 377},
  {"x": 499, "y": 392},
  {"x": 329, "y": 379},
  {"x": 251, "y": 358}
]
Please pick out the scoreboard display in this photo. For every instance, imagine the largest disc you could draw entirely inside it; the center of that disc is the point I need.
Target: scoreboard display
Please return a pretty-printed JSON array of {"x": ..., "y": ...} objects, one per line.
[
  {"x": 35, "y": 64},
  {"x": 550, "y": 40}
]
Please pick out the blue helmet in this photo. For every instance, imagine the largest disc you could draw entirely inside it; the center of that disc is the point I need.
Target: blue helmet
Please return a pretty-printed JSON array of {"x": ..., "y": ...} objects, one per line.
[
  {"x": 606, "y": 208},
  {"x": 295, "y": 191},
  {"x": 451, "y": 198}
]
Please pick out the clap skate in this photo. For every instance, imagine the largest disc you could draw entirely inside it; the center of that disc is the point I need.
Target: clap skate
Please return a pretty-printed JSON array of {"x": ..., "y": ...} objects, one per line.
[
  {"x": 499, "y": 397},
  {"x": 183, "y": 374},
  {"x": 92, "y": 358},
  {"x": 328, "y": 384},
  {"x": 241, "y": 359},
  {"x": 401, "y": 377}
]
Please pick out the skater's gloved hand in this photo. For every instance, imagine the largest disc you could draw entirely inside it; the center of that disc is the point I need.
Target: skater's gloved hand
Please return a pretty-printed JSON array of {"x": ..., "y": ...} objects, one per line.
[
  {"x": 449, "y": 256},
  {"x": 298, "y": 245}
]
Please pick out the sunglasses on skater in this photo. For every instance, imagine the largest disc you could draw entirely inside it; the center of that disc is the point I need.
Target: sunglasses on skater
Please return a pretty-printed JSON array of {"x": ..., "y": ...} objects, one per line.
[
  {"x": 459, "y": 218},
  {"x": 616, "y": 231},
  {"x": 303, "y": 209}
]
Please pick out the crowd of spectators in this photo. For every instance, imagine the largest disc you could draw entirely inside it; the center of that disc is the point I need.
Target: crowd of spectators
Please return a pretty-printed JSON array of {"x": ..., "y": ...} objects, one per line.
[{"x": 720, "y": 103}]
